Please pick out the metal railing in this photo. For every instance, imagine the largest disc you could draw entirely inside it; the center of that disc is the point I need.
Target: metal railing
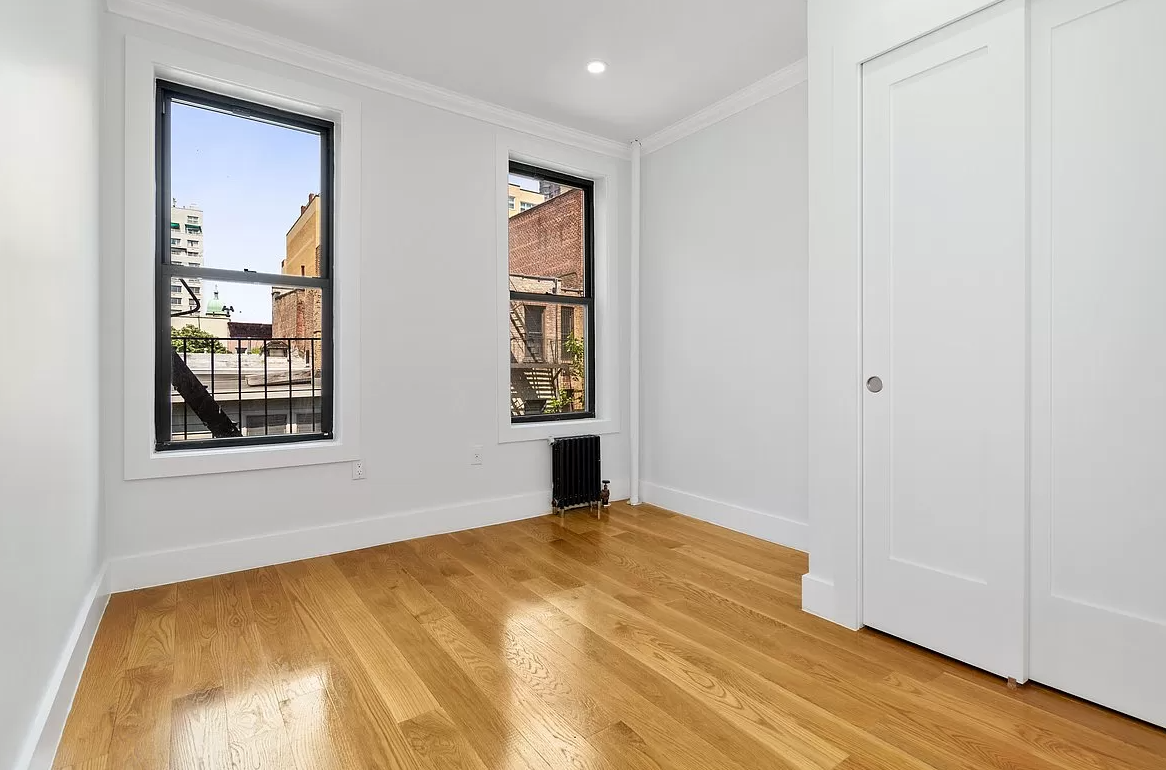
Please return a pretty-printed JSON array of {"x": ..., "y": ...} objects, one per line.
[
  {"x": 264, "y": 378},
  {"x": 538, "y": 349}
]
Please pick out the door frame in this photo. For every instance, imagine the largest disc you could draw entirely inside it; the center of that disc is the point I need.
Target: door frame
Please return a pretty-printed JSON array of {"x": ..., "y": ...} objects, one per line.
[{"x": 833, "y": 587}]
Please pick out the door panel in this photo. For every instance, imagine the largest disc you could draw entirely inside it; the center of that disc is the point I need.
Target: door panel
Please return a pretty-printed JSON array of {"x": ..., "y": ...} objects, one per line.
[
  {"x": 1099, "y": 352},
  {"x": 944, "y": 326}
]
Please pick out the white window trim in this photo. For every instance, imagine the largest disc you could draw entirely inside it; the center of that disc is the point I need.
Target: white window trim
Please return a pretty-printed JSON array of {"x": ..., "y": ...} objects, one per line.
[
  {"x": 604, "y": 171},
  {"x": 144, "y": 63}
]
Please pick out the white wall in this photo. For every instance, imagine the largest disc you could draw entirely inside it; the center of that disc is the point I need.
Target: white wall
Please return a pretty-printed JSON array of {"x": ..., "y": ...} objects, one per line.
[
  {"x": 49, "y": 528},
  {"x": 723, "y": 340},
  {"x": 429, "y": 380}
]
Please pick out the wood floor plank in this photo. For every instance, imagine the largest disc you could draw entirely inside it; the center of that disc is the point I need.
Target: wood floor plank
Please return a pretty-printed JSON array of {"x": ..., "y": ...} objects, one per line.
[
  {"x": 89, "y": 727},
  {"x": 152, "y": 641},
  {"x": 786, "y": 581},
  {"x": 141, "y": 721},
  {"x": 792, "y": 745},
  {"x": 97, "y": 763},
  {"x": 630, "y": 705},
  {"x": 198, "y": 731},
  {"x": 317, "y": 737},
  {"x": 638, "y": 639},
  {"x": 249, "y": 689},
  {"x": 734, "y": 545},
  {"x": 297, "y": 667},
  {"x": 439, "y": 744},
  {"x": 559, "y": 683},
  {"x": 354, "y": 693},
  {"x": 495, "y": 740},
  {"x": 549, "y": 730},
  {"x": 198, "y": 645},
  {"x": 495, "y": 654},
  {"x": 1098, "y": 729},
  {"x": 1048, "y": 735},
  {"x": 623, "y": 744},
  {"x": 388, "y": 668},
  {"x": 514, "y": 553}
]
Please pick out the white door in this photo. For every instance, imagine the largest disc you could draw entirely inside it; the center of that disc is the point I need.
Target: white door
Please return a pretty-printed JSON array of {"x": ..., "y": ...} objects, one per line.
[
  {"x": 944, "y": 327},
  {"x": 1099, "y": 351}
]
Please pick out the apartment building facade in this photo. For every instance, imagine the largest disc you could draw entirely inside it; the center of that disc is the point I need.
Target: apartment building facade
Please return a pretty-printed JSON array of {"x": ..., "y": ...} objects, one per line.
[{"x": 186, "y": 248}]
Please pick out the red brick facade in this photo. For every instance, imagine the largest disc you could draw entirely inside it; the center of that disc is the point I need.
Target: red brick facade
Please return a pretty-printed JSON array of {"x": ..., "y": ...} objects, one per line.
[
  {"x": 296, "y": 313},
  {"x": 547, "y": 242}
]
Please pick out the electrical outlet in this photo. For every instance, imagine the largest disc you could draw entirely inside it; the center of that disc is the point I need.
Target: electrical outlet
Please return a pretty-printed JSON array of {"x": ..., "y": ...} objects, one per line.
[
  {"x": 475, "y": 455},
  {"x": 358, "y": 470}
]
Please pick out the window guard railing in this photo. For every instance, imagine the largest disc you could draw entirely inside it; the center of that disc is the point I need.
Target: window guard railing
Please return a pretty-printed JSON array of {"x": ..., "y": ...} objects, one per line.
[
  {"x": 535, "y": 349},
  {"x": 261, "y": 376}
]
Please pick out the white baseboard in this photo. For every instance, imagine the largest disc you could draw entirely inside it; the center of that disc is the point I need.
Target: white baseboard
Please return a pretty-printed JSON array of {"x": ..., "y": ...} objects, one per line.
[
  {"x": 818, "y": 596},
  {"x": 171, "y": 566},
  {"x": 45, "y": 733},
  {"x": 767, "y": 526}
]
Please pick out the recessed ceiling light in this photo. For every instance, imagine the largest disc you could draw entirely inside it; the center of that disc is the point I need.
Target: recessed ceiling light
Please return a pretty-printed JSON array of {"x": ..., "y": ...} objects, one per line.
[{"x": 596, "y": 67}]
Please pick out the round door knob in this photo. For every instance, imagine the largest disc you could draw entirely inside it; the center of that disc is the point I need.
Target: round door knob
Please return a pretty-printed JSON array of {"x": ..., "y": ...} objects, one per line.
[{"x": 874, "y": 384}]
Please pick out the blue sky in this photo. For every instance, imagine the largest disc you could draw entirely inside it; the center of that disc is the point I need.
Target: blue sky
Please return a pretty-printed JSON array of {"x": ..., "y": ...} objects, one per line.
[
  {"x": 250, "y": 179},
  {"x": 525, "y": 182}
]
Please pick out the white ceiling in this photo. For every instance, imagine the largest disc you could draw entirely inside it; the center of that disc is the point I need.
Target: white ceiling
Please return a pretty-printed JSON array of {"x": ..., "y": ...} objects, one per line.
[{"x": 666, "y": 58}]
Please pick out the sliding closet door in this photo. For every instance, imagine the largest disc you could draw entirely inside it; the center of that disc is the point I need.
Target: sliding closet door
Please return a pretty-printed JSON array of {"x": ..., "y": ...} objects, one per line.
[
  {"x": 1099, "y": 351},
  {"x": 944, "y": 340}
]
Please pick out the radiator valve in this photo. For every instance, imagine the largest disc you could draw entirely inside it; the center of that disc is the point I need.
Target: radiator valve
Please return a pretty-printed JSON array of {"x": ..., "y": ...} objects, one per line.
[{"x": 605, "y": 494}]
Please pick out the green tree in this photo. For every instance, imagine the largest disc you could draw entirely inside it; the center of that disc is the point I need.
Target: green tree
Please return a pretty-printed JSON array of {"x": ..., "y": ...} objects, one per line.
[
  {"x": 568, "y": 399},
  {"x": 192, "y": 339}
]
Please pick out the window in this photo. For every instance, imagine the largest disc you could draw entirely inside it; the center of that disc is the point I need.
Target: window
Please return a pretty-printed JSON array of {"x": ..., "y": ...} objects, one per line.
[
  {"x": 511, "y": 204},
  {"x": 566, "y": 329},
  {"x": 265, "y": 425},
  {"x": 212, "y": 390},
  {"x": 535, "y": 330},
  {"x": 552, "y": 311},
  {"x": 175, "y": 241}
]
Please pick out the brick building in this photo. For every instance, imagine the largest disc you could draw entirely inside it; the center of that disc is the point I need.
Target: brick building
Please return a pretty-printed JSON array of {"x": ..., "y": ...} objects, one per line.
[
  {"x": 298, "y": 312},
  {"x": 547, "y": 242},
  {"x": 547, "y": 257},
  {"x": 303, "y": 241}
]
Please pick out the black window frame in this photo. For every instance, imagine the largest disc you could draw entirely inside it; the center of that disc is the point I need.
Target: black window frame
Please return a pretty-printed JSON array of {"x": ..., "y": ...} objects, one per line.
[
  {"x": 587, "y": 301},
  {"x": 167, "y": 92}
]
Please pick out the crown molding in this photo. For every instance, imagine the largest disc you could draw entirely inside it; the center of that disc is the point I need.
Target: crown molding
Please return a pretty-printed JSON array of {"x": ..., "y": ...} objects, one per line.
[
  {"x": 770, "y": 85},
  {"x": 168, "y": 15}
]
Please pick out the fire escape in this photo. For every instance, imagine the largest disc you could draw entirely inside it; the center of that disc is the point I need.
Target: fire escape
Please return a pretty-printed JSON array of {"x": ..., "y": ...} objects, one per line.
[{"x": 534, "y": 374}]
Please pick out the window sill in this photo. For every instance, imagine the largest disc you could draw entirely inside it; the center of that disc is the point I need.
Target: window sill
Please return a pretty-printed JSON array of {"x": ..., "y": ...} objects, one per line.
[
  {"x": 510, "y": 433},
  {"x": 197, "y": 462}
]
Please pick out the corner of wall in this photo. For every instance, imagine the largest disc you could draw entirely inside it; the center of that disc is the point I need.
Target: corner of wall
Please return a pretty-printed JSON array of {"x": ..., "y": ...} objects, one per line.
[
  {"x": 818, "y": 598},
  {"x": 45, "y": 733}
]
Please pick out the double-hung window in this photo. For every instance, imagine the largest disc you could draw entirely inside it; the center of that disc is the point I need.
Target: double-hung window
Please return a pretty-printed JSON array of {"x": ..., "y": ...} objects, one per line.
[
  {"x": 552, "y": 301},
  {"x": 249, "y": 341}
]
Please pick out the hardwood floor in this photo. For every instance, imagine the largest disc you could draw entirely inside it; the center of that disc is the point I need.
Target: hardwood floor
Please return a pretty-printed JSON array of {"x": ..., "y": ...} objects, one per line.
[{"x": 643, "y": 641}]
